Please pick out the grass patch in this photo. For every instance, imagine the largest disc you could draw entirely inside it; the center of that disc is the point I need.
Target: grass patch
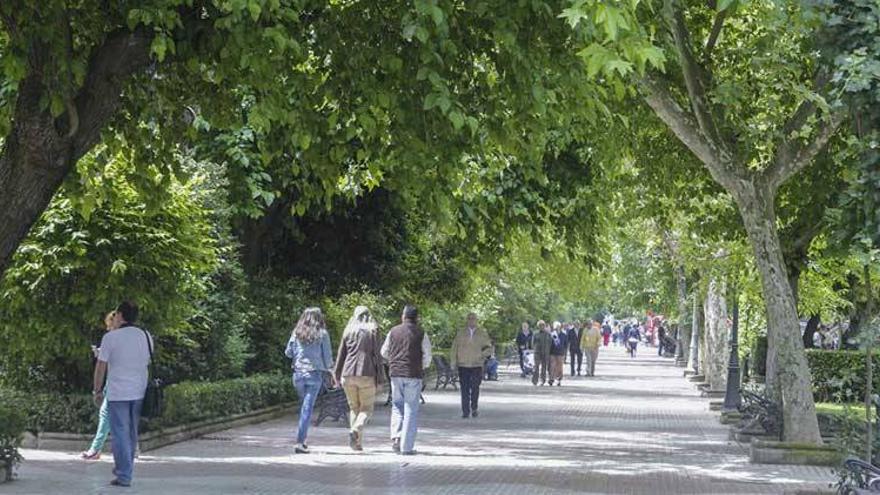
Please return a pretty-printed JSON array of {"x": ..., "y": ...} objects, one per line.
[{"x": 852, "y": 410}]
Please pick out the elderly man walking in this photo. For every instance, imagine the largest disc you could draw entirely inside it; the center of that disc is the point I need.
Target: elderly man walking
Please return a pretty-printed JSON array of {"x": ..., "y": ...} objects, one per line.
[
  {"x": 407, "y": 349},
  {"x": 470, "y": 348},
  {"x": 542, "y": 344}
]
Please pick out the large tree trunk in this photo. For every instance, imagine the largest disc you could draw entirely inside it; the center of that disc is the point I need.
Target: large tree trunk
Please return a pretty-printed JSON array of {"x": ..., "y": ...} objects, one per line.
[
  {"x": 34, "y": 161},
  {"x": 39, "y": 150},
  {"x": 717, "y": 336},
  {"x": 693, "y": 362},
  {"x": 786, "y": 352}
]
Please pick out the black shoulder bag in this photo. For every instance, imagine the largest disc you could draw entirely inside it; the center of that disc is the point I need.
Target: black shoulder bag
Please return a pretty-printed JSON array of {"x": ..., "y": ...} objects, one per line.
[{"x": 152, "y": 406}]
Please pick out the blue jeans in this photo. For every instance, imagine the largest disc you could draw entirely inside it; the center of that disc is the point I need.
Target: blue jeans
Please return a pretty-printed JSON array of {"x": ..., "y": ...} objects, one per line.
[
  {"x": 405, "y": 410},
  {"x": 103, "y": 428},
  {"x": 307, "y": 384},
  {"x": 124, "y": 418}
]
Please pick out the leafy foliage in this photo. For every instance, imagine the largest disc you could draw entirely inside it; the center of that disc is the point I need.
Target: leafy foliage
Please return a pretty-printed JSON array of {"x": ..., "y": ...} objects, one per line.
[{"x": 73, "y": 269}]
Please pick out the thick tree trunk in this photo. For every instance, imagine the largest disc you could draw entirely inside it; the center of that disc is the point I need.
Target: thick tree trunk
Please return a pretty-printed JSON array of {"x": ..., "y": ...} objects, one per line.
[
  {"x": 34, "y": 162},
  {"x": 717, "y": 336},
  {"x": 786, "y": 352},
  {"x": 39, "y": 150},
  {"x": 684, "y": 330},
  {"x": 693, "y": 362}
]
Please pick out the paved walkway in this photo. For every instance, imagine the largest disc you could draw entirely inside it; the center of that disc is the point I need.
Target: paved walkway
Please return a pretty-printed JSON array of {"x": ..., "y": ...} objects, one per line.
[{"x": 636, "y": 428}]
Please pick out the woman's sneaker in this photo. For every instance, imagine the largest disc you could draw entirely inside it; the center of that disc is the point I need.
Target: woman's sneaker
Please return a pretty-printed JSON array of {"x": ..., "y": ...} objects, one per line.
[
  {"x": 301, "y": 448},
  {"x": 91, "y": 455}
]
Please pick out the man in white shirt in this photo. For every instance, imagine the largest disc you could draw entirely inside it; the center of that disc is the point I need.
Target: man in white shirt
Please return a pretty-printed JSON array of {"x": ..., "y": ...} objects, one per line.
[{"x": 124, "y": 358}]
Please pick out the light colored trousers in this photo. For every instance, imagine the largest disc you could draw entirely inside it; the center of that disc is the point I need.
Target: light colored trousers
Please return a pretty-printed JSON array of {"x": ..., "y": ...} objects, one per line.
[
  {"x": 405, "y": 394},
  {"x": 361, "y": 394},
  {"x": 592, "y": 356}
]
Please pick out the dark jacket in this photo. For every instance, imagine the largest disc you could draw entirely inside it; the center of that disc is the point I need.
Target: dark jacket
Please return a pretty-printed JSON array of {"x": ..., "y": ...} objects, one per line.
[
  {"x": 358, "y": 355},
  {"x": 559, "y": 345},
  {"x": 524, "y": 341},
  {"x": 542, "y": 343},
  {"x": 405, "y": 350},
  {"x": 573, "y": 335}
]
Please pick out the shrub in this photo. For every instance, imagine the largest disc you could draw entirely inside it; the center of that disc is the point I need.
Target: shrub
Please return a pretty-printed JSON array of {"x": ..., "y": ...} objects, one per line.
[
  {"x": 195, "y": 401},
  {"x": 12, "y": 425},
  {"x": 759, "y": 356},
  {"x": 839, "y": 376},
  {"x": 184, "y": 402},
  {"x": 49, "y": 411}
]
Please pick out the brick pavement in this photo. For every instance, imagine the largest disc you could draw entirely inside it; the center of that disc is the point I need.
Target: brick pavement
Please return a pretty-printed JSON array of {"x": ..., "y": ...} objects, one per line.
[{"x": 636, "y": 428}]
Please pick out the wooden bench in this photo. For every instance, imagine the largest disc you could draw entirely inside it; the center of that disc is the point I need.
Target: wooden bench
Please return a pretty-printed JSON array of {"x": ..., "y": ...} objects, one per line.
[{"x": 445, "y": 374}]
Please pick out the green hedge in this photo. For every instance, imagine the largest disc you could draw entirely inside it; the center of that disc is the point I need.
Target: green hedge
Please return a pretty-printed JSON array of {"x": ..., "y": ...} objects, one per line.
[
  {"x": 194, "y": 401},
  {"x": 840, "y": 376},
  {"x": 71, "y": 413},
  {"x": 12, "y": 426},
  {"x": 184, "y": 402}
]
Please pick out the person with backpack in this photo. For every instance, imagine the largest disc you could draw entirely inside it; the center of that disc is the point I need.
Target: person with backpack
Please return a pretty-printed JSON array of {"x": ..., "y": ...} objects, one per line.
[{"x": 124, "y": 358}]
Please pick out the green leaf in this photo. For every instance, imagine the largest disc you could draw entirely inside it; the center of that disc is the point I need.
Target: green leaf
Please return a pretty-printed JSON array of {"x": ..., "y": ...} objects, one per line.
[
  {"x": 724, "y": 5},
  {"x": 457, "y": 119}
]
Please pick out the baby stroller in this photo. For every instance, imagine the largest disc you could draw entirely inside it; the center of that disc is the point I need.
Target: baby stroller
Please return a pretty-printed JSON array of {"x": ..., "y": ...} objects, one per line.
[
  {"x": 528, "y": 362},
  {"x": 491, "y": 367}
]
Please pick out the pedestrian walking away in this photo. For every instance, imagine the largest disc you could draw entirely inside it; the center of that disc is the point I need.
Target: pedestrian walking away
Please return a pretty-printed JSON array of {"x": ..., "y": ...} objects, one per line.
[
  {"x": 407, "y": 349},
  {"x": 542, "y": 345},
  {"x": 359, "y": 369},
  {"x": 309, "y": 350},
  {"x": 124, "y": 358},
  {"x": 470, "y": 349},
  {"x": 524, "y": 342},
  {"x": 573, "y": 334},
  {"x": 590, "y": 343}
]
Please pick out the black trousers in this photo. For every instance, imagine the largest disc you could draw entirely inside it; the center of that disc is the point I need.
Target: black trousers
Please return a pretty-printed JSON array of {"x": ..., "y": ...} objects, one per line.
[
  {"x": 522, "y": 364},
  {"x": 576, "y": 354},
  {"x": 469, "y": 380}
]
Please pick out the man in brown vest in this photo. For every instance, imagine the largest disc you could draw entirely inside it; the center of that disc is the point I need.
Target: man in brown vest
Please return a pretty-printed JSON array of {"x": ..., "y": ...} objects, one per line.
[{"x": 407, "y": 349}]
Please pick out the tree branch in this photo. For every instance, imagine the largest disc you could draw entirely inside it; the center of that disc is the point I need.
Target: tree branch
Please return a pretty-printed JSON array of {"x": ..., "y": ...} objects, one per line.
[
  {"x": 694, "y": 78},
  {"x": 122, "y": 54},
  {"x": 682, "y": 124},
  {"x": 792, "y": 155},
  {"x": 713, "y": 35}
]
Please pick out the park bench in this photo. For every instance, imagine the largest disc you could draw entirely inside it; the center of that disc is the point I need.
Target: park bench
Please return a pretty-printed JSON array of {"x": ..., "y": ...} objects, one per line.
[
  {"x": 860, "y": 478},
  {"x": 445, "y": 374},
  {"x": 760, "y": 414},
  {"x": 331, "y": 403}
]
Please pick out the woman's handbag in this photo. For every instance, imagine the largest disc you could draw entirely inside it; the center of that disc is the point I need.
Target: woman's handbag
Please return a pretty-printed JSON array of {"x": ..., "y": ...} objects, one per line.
[{"x": 152, "y": 405}]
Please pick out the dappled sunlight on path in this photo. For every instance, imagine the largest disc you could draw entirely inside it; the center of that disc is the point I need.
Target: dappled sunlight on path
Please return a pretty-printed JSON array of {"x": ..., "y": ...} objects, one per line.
[{"x": 638, "y": 427}]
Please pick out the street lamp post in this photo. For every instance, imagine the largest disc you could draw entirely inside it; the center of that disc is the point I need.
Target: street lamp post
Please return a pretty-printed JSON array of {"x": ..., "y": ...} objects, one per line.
[{"x": 732, "y": 397}]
